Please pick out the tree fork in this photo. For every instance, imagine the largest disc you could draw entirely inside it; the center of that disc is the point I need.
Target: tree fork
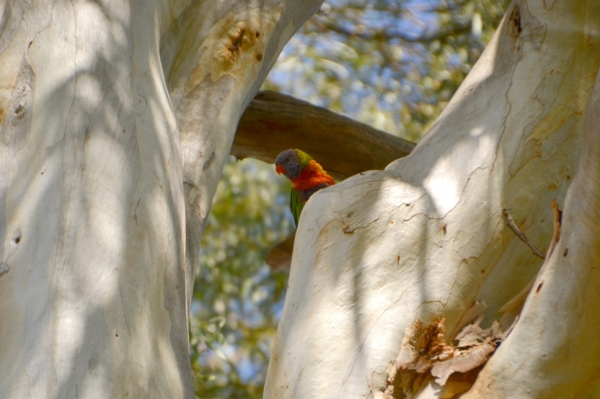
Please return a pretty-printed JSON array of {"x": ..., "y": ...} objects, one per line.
[{"x": 428, "y": 238}]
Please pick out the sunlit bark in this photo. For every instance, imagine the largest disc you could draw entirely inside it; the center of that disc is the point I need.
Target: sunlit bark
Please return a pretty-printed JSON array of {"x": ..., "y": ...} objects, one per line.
[
  {"x": 116, "y": 120},
  {"x": 427, "y": 239}
]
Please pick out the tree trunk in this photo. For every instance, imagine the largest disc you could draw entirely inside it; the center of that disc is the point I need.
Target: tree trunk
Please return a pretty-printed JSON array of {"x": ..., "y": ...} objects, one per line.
[
  {"x": 390, "y": 266},
  {"x": 116, "y": 120}
]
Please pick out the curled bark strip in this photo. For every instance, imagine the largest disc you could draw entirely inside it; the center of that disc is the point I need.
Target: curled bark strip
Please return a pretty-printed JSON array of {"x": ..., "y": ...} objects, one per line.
[
  {"x": 511, "y": 223},
  {"x": 513, "y": 308}
]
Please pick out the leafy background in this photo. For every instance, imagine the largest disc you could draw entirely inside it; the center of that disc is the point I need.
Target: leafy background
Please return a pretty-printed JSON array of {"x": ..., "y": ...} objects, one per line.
[{"x": 393, "y": 64}]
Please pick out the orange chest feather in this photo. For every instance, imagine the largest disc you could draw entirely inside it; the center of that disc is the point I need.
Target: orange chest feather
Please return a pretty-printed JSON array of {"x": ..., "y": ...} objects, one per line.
[{"x": 313, "y": 175}]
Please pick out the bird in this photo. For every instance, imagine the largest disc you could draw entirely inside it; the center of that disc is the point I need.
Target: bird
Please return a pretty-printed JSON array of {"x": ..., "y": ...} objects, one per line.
[{"x": 306, "y": 175}]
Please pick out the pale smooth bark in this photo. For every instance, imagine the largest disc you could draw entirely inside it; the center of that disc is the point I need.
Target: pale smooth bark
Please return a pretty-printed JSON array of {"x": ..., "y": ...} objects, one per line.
[
  {"x": 559, "y": 357},
  {"x": 116, "y": 120},
  {"x": 426, "y": 238}
]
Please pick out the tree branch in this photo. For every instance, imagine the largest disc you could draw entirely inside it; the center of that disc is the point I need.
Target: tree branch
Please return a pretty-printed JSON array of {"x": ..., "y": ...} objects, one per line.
[
  {"x": 274, "y": 122},
  {"x": 456, "y": 27}
]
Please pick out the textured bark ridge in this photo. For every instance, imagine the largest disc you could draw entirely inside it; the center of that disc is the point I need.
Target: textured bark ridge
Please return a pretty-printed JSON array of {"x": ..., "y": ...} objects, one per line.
[
  {"x": 426, "y": 239},
  {"x": 116, "y": 119}
]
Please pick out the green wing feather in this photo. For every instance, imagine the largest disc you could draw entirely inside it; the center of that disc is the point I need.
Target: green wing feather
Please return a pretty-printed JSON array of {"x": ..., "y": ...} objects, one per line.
[{"x": 295, "y": 205}]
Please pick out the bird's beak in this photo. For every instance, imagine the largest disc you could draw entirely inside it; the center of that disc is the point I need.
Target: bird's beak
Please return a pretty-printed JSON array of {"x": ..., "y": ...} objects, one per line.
[{"x": 279, "y": 169}]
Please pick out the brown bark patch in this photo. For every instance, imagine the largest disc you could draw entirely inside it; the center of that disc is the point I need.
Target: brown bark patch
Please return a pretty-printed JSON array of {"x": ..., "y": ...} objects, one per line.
[{"x": 425, "y": 353}]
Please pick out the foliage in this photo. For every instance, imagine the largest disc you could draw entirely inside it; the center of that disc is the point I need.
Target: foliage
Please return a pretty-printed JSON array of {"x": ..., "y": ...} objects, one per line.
[
  {"x": 390, "y": 63},
  {"x": 393, "y": 64},
  {"x": 238, "y": 301}
]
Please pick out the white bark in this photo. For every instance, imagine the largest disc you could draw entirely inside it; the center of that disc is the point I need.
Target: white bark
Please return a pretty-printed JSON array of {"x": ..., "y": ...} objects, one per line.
[
  {"x": 555, "y": 343},
  {"x": 106, "y": 109},
  {"x": 426, "y": 237}
]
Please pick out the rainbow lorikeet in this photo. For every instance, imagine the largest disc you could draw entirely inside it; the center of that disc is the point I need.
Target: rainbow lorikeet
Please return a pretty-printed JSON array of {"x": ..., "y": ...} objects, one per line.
[{"x": 307, "y": 177}]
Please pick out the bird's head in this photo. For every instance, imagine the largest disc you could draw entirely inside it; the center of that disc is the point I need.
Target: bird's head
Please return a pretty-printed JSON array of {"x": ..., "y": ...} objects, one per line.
[{"x": 291, "y": 163}]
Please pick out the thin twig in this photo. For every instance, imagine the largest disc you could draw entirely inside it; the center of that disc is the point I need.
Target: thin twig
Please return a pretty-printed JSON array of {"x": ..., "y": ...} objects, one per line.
[
  {"x": 520, "y": 234},
  {"x": 515, "y": 305}
]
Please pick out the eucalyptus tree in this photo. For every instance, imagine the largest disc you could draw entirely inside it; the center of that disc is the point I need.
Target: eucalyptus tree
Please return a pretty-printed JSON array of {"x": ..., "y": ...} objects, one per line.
[
  {"x": 117, "y": 118},
  {"x": 396, "y": 76},
  {"x": 405, "y": 281}
]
